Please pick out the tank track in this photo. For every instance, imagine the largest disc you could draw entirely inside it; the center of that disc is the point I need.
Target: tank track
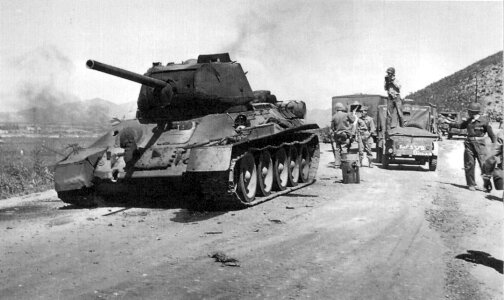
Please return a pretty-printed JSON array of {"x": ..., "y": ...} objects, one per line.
[{"x": 219, "y": 189}]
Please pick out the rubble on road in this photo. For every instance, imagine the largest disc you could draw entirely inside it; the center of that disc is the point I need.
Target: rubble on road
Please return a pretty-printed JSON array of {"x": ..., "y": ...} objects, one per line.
[{"x": 224, "y": 259}]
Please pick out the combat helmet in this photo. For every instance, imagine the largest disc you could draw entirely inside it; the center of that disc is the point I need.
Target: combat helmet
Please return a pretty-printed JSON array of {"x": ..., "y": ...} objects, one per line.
[
  {"x": 339, "y": 107},
  {"x": 356, "y": 105},
  {"x": 474, "y": 108},
  {"x": 391, "y": 70}
]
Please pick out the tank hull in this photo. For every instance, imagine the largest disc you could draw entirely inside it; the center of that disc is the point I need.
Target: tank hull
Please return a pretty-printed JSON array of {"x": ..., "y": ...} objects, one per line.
[{"x": 197, "y": 161}]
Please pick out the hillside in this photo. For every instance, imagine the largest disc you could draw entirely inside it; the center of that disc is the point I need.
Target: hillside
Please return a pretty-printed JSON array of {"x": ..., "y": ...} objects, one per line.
[{"x": 456, "y": 91}]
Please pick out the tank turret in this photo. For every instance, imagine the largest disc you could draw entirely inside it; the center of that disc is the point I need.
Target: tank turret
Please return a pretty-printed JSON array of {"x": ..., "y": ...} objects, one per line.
[{"x": 211, "y": 84}]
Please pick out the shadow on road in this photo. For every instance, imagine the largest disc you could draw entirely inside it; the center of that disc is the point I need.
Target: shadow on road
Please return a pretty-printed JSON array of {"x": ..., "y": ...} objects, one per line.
[
  {"x": 159, "y": 197},
  {"x": 168, "y": 202},
  {"x": 293, "y": 195},
  {"x": 493, "y": 198},
  {"x": 184, "y": 214},
  {"x": 482, "y": 258},
  {"x": 23, "y": 211},
  {"x": 159, "y": 193},
  {"x": 455, "y": 185},
  {"x": 190, "y": 216},
  {"x": 403, "y": 167}
]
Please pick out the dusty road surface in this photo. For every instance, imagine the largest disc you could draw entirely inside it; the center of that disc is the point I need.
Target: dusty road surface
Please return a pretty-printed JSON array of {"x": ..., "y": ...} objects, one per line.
[{"x": 403, "y": 233}]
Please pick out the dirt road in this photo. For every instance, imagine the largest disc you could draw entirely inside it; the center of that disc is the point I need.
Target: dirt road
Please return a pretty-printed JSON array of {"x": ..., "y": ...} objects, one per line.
[{"x": 396, "y": 235}]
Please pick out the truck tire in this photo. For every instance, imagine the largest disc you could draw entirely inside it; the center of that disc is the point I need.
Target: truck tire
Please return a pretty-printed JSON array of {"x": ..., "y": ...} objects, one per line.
[
  {"x": 432, "y": 164},
  {"x": 385, "y": 161},
  {"x": 379, "y": 154}
]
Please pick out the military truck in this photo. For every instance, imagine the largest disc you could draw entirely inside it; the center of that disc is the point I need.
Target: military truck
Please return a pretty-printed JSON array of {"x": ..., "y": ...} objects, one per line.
[{"x": 412, "y": 144}]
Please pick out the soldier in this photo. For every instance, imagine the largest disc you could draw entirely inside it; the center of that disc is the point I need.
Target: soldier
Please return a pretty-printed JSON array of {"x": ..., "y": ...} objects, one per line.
[
  {"x": 440, "y": 122},
  {"x": 367, "y": 130},
  {"x": 440, "y": 119},
  {"x": 475, "y": 147},
  {"x": 394, "y": 103},
  {"x": 341, "y": 127}
]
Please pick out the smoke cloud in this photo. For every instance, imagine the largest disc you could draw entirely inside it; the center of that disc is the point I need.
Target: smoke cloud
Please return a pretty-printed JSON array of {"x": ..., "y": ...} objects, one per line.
[
  {"x": 40, "y": 91},
  {"x": 41, "y": 78},
  {"x": 296, "y": 50}
]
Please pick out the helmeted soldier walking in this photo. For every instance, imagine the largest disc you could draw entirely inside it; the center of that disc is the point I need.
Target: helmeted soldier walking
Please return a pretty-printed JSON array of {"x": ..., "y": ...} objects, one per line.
[
  {"x": 341, "y": 127},
  {"x": 475, "y": 146},
  {"x": 394, "y": 103},
  {"x": 367, "y": 129}
]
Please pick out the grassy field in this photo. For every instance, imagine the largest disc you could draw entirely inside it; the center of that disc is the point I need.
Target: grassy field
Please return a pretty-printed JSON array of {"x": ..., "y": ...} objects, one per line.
[{"x": 26, "y": 162}]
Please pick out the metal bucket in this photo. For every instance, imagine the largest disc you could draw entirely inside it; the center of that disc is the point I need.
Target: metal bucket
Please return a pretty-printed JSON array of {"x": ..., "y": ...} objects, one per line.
[{"x": 350, "y": 168}]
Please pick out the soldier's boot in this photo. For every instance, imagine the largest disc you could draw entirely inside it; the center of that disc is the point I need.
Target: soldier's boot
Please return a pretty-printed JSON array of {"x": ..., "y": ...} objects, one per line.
[
  {"x": 337, "y": 157},
  {"x": 370, "y": 160},
  {"x": 487, "y": 185}
]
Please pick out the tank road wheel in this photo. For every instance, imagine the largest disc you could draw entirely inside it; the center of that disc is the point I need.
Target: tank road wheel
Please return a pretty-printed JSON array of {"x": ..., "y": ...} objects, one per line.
[
  {"x": 304, "y": 170},
  {"x": 264, "y": 173},
  {"x": 280, "y": 170},
  {"x": 294, "y": 162},
  {"x": 247, "y": 178}
]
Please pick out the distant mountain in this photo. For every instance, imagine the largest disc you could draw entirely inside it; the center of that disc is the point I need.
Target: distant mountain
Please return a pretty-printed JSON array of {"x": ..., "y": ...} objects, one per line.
[
  {"x": 455, "y": 92},
  {"x": 96, "y": 112}
]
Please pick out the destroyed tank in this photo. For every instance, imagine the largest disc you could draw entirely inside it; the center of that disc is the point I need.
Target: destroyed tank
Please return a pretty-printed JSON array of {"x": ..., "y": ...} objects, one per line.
[{"x": 199, "y": 130}]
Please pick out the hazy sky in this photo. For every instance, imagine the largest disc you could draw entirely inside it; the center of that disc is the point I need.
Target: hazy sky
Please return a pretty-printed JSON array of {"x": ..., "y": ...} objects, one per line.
[{"x": 309, "y": 50}]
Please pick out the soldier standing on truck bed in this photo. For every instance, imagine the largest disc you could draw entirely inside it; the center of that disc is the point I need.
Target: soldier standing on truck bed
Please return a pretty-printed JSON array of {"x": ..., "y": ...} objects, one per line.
[
  {"x": 475, "y": 146},
  {"x": 341, "y": 126},
  {"x": 394, "y": 102},
  {"x": 367, "y": 129}
]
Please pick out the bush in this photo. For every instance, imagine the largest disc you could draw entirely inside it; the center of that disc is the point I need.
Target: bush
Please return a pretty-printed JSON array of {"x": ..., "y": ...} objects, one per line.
[{"x": 20, "y": 175}]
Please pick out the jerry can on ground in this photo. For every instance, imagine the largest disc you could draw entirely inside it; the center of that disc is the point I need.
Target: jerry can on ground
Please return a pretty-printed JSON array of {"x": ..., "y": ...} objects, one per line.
[{"x": 350, "y": 168}]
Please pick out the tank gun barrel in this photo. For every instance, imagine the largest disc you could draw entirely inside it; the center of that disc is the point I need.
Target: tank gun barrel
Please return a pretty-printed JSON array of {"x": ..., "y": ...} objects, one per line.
[{"x": 142, "y": 79}]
